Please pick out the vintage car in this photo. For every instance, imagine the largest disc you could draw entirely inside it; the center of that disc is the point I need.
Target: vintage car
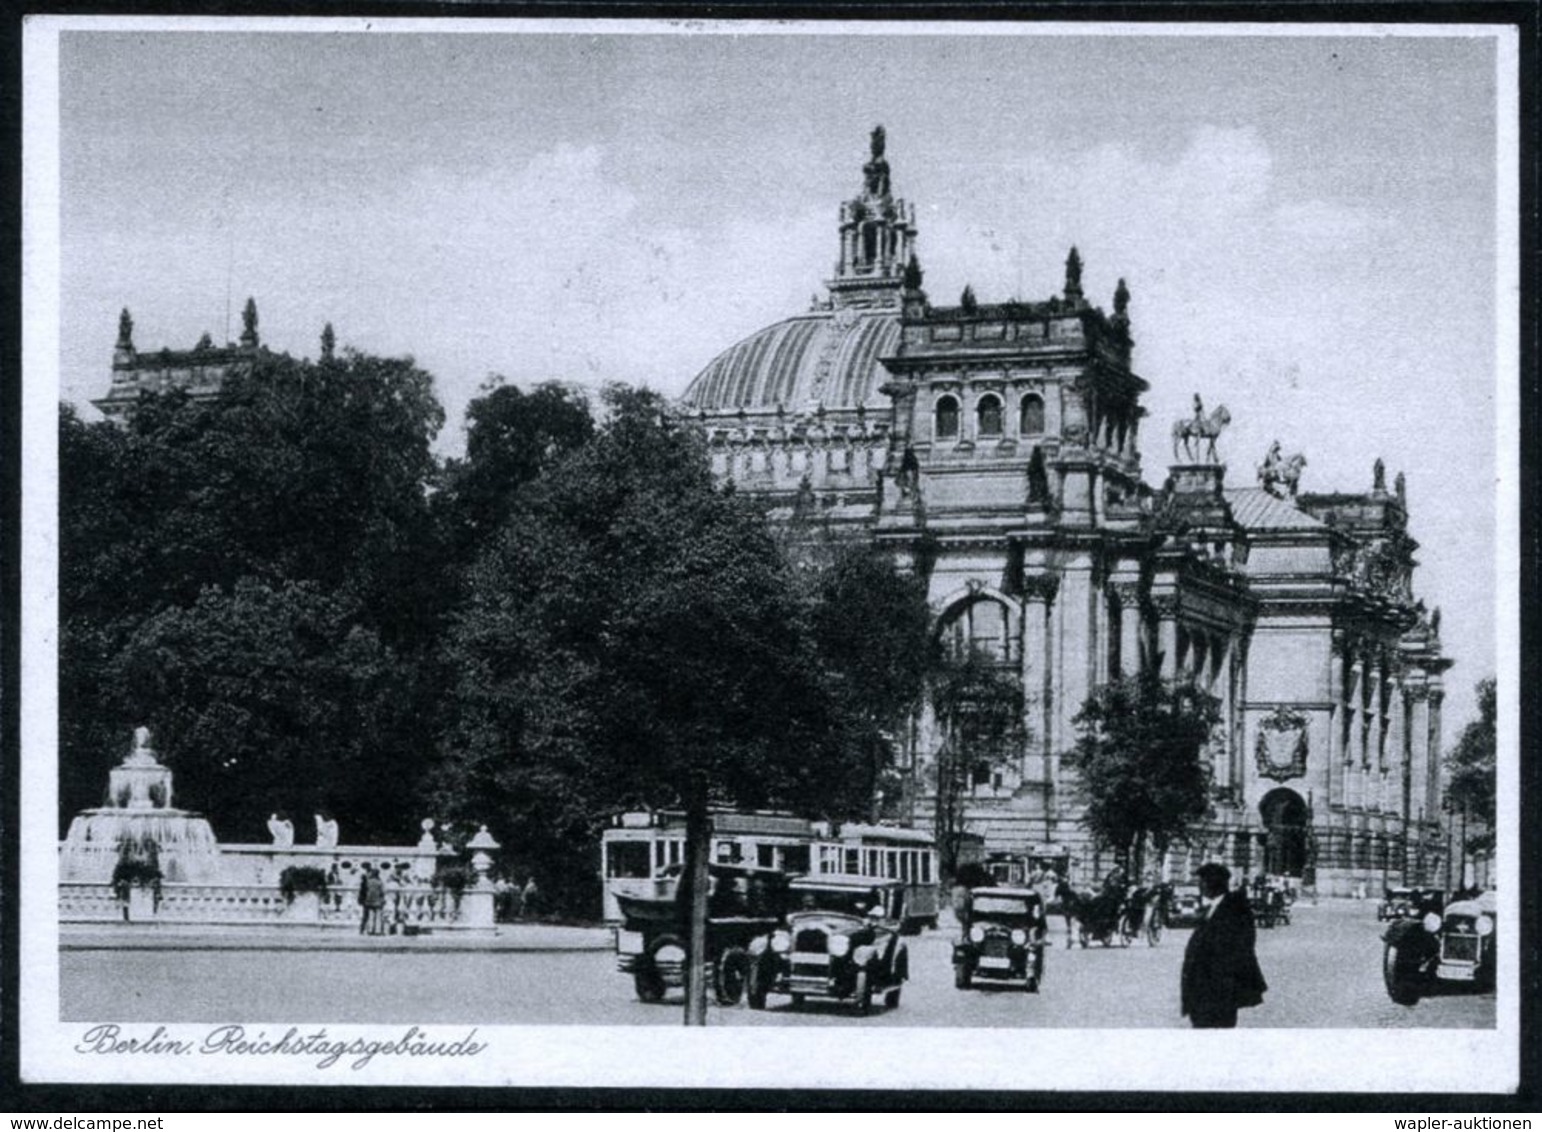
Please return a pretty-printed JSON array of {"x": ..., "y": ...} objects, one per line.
[
  {"x": 840, "y": 941},
  {"x": 1186, "y": 906},
  {"x": 1449, "y": 951},
  {"x": 651, "y": 944},
  {"x": 1408, "y": 903},
  {"x": 1002, "y": 940}
]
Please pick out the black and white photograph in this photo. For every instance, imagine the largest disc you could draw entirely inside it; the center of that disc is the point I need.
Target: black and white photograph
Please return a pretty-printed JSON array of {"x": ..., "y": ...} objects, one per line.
[{"x": 771, "y": 555}]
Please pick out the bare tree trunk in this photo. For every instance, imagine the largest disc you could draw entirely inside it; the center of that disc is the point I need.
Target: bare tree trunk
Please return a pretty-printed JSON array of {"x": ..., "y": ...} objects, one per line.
[{"x": 698, "y": 831}]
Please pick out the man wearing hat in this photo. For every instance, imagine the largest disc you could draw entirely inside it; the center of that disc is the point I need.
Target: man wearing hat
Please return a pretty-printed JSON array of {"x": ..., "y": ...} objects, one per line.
[{"x": 1220, "y": 967}]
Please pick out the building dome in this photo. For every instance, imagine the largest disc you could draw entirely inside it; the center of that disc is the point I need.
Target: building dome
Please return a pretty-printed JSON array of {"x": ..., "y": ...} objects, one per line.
[{"x": 826, "y": 359}]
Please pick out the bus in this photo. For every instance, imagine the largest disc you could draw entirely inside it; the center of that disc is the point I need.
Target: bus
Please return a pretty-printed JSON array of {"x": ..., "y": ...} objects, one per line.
[{"x": 643, "y": 851}]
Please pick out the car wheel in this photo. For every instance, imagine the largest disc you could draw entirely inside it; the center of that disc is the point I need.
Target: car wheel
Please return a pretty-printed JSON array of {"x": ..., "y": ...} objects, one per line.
[
  {"x": 1402, "y": 987},
  {"x": 892, "y": 999},
  {"x": 1032, "y": 985},
  {"x": 649, "y": 984},
  {"x": 733, "y": 968},
  {"x": 756, "y": 986},
  {"x": 798, "y": 1000},
  {"x": 961, "y": 976}
]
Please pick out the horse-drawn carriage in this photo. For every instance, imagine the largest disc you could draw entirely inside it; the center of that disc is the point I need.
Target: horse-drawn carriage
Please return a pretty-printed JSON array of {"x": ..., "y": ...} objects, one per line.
[
  {"x": 1118, "y": 913},
  {"x": 1270, "y": 903}
]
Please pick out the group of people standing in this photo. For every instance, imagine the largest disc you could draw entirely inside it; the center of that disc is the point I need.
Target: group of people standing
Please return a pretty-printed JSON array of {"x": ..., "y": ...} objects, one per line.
[{"x": 381, "y": 888}]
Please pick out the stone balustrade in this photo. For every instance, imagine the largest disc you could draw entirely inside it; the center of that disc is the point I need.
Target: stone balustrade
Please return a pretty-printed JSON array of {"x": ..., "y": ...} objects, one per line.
[{"x": 409, "y": 908}]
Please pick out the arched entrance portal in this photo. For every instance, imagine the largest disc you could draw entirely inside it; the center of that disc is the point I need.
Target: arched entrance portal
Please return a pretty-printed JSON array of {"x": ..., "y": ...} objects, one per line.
[{"x": 1285, "y": 822}]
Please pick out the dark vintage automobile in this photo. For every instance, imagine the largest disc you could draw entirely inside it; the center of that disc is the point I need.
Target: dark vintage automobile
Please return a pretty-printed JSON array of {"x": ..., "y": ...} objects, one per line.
[
  {"x": 1408, "y": 903},
  {"x": 1002, "y": 940},
  {"x": 652, "y": 942},
  {"x": 1186, "y": 907},
  {"x": 841, "y": 941},
  {"x": 1441, "y": 952}
]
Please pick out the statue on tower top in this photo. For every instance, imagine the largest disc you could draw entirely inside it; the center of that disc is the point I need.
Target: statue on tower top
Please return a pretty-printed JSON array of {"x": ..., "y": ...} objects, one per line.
[
  {"x": 249, "y": 323},
  {"x": 1073, "y": 276},
  {"x": 876, "y": 171},
  {"x": 125, "y": 330}
]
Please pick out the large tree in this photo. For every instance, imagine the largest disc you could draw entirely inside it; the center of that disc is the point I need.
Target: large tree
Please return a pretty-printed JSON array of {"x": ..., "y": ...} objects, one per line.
[
  {"x": 297, "y": 474},
  {"x": 1471, "y": 768},
  {"x": 512, "y": 436},
  {"x": 1139, "y": 762},
  {"x": 633, "y": 637}
]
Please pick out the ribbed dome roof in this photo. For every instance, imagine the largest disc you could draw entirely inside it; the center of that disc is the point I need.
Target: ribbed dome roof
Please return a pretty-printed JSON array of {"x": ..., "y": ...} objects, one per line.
[{"x": 825, "y": 357}]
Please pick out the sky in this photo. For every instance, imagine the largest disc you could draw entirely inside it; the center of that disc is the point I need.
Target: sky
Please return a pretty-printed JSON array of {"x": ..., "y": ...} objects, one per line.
[{"x": 1306, "y": 223}]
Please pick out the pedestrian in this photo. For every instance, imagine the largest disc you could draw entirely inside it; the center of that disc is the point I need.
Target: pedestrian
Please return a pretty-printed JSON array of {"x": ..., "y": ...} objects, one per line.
[
  {"x": 374, "y": 901},
  {"x": 1220, "y": 967},
  {"x": 364, "y": 898}
]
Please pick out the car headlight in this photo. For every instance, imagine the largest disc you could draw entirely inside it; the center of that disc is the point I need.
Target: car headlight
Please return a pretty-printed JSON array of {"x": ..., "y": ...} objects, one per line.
[
  {"x": 780, "y": 941},
  {"x": 840, "y": 945},
  {"x": 1019, "y": 936},
  {"x": 1485, "y": 925},
  {"x": 977, "y": 933},
  {"x": 1432, "y": 922}
]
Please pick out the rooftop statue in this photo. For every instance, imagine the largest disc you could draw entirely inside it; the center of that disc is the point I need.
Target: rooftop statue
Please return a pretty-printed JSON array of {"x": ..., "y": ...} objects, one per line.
[
  {"x": 876, "y": 171},
  {"x": 1191, "y": 431},
  {"x": 1280, "y": 475},
  {"x": 326, "y": 831},
  {"x": 281, "y": 830}
]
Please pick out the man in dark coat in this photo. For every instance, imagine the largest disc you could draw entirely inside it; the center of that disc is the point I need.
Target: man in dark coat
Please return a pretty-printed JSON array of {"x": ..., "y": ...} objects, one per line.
[{"x": 1220, "y": 967}]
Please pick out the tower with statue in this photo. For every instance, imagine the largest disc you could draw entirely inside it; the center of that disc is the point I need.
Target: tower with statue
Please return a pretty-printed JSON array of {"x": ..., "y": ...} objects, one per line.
[{"x": 995, "y": 448}]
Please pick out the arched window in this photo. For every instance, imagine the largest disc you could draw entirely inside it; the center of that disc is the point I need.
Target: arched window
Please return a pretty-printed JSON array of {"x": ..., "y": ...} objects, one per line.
[
  {"x": 980, "y": 627},
  {"x": 947, "y": 418},
  {"x": 1031, "y": 416},
  {"x": 988, "y": 414}
]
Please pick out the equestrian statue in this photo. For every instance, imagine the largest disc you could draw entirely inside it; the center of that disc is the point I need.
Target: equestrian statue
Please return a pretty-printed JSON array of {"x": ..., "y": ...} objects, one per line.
[{"x": 1192, "y": 431}]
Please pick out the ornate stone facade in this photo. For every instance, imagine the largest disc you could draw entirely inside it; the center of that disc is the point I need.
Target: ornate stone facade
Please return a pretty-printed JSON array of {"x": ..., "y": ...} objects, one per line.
[
  {"x": 201, "y": 371},
  {"x": 995, "y": 449}
]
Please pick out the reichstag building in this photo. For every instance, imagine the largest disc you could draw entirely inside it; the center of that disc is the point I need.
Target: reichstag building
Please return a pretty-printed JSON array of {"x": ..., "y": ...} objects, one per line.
[{"x": 996, "y": 448}]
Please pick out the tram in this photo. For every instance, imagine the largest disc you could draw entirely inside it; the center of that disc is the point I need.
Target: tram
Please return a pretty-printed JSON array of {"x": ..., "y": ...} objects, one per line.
[{"x": 643, "y": 852}]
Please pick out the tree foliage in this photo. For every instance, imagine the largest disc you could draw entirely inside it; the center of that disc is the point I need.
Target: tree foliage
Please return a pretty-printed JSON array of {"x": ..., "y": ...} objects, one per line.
[
  {"x": 1471, "y": 767},
  {"x": 633, "y": 637},
  {"x": 299, "y": 494},
  {"x": 1139, "y": 762},
  {"x": 979, "y": 708}
]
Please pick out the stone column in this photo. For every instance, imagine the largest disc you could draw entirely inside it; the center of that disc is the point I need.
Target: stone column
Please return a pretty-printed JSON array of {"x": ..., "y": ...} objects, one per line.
[
  {"x": 1371, "y": 760},
  {"x": 1128, "y": 596},
  {"x": 1334, "y": 786},
  {"x": 1437, "y": 698},
  {"x": 1038, "y": 592},
  {"x": 1354, "y": 754},
  {"x": 1166, "y": 610},
  {"x": 1424, "y": 785},
  {"x": 1395, "y": 763}
]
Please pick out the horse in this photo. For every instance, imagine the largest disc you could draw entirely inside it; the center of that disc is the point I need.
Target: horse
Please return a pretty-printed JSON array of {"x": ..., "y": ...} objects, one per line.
[
  {"x": 1191, "y": 430},
  {"x": 1068, "y": 902},
  {"x": 1290, "y": 474}
]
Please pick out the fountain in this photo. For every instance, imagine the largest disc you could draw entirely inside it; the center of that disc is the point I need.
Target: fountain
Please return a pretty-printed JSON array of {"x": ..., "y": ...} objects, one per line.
[{"x": 140, "y": 822}]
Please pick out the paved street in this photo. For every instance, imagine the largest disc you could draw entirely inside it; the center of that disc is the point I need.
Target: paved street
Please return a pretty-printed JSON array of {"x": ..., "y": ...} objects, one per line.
[{"x": 1323, "y": 970}]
